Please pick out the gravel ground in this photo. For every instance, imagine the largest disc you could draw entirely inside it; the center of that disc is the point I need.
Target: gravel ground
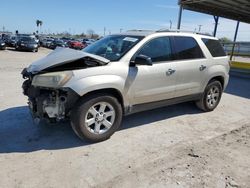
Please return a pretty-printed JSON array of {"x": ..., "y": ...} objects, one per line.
[{"x": 175, "y": 146}]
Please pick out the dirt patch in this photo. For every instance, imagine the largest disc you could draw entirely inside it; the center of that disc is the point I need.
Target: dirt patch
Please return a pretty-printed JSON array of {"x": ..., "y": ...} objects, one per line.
[{"x": 218, "y": 162}]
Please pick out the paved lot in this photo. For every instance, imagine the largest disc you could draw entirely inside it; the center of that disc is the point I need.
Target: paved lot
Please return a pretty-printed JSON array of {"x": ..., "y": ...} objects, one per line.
[{"x": 176, "y": 146}]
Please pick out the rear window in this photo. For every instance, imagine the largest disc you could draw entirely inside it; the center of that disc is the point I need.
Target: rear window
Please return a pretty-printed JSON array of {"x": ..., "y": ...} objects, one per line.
[
  {"x": 214, "y": 47},
  {"x": 187, "y": 48}
]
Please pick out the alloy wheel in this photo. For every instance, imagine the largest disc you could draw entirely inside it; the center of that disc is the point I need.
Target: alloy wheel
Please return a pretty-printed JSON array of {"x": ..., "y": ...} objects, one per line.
[
  {"x": 100, "y": 117},
  {"x": 213, "y": 96}
]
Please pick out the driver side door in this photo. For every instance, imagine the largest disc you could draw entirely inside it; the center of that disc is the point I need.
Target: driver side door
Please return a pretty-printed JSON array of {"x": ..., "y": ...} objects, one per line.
[{"x": 156, "y": 82}]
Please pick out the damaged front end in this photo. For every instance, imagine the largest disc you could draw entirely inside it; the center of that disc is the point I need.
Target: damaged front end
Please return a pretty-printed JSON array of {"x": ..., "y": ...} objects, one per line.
[
  {"x": 53, "y": 104},
  {"x": 45, "y": 78}
]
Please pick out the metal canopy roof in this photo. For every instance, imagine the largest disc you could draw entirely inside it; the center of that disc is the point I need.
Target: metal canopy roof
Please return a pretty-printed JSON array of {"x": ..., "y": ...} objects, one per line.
[{"x": 233, "y": 9}]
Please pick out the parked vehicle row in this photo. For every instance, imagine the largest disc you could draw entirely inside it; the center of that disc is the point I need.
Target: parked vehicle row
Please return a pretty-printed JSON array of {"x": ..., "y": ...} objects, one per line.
[
  {"x": 32, "y": 43},
  {"x": 77, "y": 44},
  {"x": 24, "y": 42}
]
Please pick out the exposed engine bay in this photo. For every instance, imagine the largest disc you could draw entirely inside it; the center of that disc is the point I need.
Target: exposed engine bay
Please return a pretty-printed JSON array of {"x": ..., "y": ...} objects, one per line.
[
  {"x": 47, "y": 103},
  {"x": 55, "y": 103}
]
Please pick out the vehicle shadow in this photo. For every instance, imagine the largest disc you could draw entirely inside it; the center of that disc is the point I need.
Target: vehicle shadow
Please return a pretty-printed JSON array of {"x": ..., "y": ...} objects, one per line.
[
  {"x": 18, "y": 132},
  {"x": 239, "y": 86}
]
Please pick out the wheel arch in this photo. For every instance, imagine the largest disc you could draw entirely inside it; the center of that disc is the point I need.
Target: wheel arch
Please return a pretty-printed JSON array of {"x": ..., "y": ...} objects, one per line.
[
  {"x": 219, "y": 78},
  {"x": 110, "y": 91}
]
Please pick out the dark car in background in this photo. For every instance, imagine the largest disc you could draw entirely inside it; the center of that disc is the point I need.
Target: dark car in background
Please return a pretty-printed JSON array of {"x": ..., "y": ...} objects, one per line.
[
  {"x": 58, "y": 43},
  {"x": 11, "y": 41},
  {"x": 27, "y": 44},
  {"x": 2, "y": 44}
]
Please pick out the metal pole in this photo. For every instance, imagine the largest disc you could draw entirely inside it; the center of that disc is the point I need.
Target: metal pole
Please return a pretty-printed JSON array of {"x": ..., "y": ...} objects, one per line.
[
  {"x": 235, "y": 37},
  {"x": 179, "y": 17},
  {"x": 216, "y": 19},
  {"x": 200, "y": 28}
]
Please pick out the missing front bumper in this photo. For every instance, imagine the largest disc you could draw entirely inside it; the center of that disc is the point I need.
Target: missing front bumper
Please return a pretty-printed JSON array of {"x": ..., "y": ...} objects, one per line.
[{"x": 51, "y": 104}]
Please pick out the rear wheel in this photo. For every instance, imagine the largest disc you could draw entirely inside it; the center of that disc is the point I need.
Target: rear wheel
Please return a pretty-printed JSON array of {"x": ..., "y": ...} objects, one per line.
[
  {"x": 211, "y": 96},
  {"x": 97, "y": 117}
]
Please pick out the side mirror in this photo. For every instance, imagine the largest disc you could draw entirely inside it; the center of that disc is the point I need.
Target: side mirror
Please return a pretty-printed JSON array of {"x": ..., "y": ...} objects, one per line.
[{"x": 143, "y": 60}]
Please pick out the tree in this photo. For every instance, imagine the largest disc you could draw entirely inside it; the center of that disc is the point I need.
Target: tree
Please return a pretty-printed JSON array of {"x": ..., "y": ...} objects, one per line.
[
  {"x": 90, "y": 33},
  {"x": 225, "y": 40},
  {"x": 39, "y": 23}
]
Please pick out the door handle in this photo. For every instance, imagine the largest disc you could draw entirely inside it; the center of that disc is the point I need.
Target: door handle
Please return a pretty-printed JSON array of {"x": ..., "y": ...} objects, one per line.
[
  {"x": 203, "y": 67},
  {"x": 170, "y": 72}
]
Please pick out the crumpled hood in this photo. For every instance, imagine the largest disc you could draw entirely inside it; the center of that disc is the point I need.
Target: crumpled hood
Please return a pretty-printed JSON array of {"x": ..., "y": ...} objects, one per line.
[{"x": 62, "y": 56}]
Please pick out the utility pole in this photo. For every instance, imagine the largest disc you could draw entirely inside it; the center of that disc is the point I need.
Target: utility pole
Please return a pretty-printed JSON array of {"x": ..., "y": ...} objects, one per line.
[
  {"x": 170, "y": 27},
  {"x": 3, "y": 28},
  {"x": 104, "y": 31},
  {"x": 200, "y": 27},
  {"x": 121, "y": 30}
]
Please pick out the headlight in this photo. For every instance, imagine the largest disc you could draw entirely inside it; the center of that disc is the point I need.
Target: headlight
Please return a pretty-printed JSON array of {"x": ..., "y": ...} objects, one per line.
[
  {"x": 2, "y": 44},
  {"x": 54, "y": 79}
]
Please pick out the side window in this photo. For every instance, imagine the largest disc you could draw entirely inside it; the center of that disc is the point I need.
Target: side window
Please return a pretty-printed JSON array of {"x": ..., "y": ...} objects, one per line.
[
  {"x": 187, "y": 48},
  {"x": 214, "y": 47},
  {"x": 159, "y": 49}
]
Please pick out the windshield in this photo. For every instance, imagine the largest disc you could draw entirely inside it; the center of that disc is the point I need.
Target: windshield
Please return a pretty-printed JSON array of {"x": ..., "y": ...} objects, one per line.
[
  {"x": 27, "y": 39},
  {"x": 113, "y": 47}
]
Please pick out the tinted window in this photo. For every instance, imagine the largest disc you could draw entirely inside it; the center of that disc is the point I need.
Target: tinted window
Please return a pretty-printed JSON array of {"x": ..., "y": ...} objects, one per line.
[
  {"x": 214, "y": 47},
  {"x": 187, "y": 48},
  {"x": 158, "y": 49}
]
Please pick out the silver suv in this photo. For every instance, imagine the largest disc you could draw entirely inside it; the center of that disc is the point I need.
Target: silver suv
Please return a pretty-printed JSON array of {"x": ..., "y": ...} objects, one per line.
[{"x": 123, "y": 74}]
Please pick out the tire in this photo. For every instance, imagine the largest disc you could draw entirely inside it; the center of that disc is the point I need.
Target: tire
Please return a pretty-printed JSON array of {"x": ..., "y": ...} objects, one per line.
[
  {"x": 209, "y": 101},
  {"x": 96, "y": 130},
  {"x": 35, "y": 50}
]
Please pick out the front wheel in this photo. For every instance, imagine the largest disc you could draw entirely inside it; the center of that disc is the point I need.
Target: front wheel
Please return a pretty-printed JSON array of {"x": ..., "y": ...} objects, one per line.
[
  {"x": 35, "y": 50},
  {"x": 211, "y": 96},
  {"x": 96, "y": 117}
]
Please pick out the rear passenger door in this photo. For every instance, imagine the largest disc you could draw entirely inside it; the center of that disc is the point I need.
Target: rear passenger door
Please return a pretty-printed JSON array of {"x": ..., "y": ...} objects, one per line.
[{"x": 190, "y": 65}]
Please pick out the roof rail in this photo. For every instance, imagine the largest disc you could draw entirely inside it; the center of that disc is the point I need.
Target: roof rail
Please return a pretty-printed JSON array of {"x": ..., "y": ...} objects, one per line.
[{"x": 178, "y": 30}]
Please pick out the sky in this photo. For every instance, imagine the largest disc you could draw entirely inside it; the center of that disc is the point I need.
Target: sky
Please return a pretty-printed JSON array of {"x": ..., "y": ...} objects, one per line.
[{"x": 77, "y": 16}]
